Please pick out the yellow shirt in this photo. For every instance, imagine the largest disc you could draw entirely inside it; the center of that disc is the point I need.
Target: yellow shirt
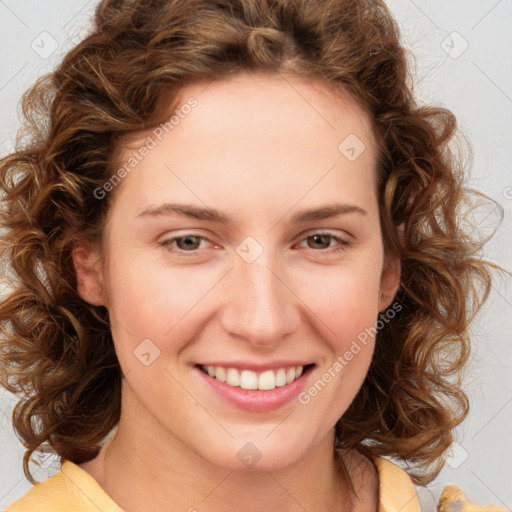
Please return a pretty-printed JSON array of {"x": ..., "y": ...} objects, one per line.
[{"x": 74, "y": 490}]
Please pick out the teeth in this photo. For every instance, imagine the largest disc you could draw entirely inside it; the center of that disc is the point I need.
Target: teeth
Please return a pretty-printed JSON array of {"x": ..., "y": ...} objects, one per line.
[
  {"x": 280, "y": 377},
  {"x": 232, "y": 377},
  {"x": 267, "y": 380},
  {"x": 247, "y": 379},
  {"x": 220, "y": 373}
]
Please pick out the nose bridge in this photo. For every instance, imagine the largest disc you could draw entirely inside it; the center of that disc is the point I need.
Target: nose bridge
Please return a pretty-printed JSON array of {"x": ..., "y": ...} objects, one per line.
[
  {"x": 262, "y": 287},
  {"x": 260, "y": 307}
]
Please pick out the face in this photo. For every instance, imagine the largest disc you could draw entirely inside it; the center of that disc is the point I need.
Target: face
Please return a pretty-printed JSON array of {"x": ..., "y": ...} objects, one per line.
[{"x": 243, "y": 249}]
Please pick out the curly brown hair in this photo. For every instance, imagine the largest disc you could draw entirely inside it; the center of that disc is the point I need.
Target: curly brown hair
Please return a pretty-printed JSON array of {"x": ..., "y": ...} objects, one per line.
[{"x": 57, "y": 351}]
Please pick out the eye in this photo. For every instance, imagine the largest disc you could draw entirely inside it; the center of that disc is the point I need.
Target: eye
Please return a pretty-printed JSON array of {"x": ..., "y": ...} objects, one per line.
[
  {"x": 187, "y": 243},
  {"x": 323, "y": 241}
]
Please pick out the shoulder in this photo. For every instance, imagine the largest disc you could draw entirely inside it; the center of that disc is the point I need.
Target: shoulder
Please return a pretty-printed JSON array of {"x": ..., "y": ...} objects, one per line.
[
  {"x": 396, "y": 489},
  {"x": 380, "y": 482},
  {"x": 70, "y": 489}
]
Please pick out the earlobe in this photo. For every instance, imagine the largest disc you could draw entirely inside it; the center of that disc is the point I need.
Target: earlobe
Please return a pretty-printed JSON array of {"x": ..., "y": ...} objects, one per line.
[
  {"x": 390, "y": 282},
  {"x": 89, "y": 274}
]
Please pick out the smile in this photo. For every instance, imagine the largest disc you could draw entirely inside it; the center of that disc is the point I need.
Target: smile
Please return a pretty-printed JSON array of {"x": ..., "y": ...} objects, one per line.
[{"x": 248, "y": 379}]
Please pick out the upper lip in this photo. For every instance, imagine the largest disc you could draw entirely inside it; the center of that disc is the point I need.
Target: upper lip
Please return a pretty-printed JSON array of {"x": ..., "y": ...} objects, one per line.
[{"x": 256, "y": 367}]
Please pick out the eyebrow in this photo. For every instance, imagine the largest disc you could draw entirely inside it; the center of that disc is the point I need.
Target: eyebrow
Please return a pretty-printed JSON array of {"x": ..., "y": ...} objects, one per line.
[{"x": 211, "y": 214}]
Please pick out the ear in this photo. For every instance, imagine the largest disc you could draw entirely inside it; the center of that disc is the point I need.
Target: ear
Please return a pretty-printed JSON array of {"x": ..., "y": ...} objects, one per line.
[
  {"x": 389, "y": 282},
  {"x": 89, "y": 273}
]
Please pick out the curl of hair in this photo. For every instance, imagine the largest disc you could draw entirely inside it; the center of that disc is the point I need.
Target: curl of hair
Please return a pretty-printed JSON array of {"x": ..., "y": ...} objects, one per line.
[{"x": 56, "y": 350}]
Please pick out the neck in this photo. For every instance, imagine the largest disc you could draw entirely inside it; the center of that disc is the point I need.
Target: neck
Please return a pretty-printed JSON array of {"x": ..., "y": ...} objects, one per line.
[
  {"x": 135, "y": 470},
  {"x": 144, "y": 463}
]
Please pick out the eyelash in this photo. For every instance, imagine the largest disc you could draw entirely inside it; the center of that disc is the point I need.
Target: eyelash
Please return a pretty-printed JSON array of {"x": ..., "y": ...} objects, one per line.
[{"x": 342, "y": 243}]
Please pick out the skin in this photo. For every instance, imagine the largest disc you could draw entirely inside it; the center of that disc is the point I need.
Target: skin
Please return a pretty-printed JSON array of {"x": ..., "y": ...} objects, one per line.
[{"x": 259, "y": 148}]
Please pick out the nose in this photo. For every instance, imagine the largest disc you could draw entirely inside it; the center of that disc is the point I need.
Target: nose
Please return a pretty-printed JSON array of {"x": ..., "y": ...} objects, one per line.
[{"x": 260, "y": 305}]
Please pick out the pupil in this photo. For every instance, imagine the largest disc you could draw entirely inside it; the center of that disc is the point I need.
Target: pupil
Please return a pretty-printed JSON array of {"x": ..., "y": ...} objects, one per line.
[
  {"x": 188, "y": 242},
  {"x": 322, "y": 240}
]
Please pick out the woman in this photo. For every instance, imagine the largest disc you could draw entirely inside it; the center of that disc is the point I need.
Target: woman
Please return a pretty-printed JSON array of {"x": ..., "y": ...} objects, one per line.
[{"x": 236, "y": 250}]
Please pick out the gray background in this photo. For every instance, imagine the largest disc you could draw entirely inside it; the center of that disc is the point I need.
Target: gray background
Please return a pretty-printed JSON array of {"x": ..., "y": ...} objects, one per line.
[{"x": 461, "y": 53}]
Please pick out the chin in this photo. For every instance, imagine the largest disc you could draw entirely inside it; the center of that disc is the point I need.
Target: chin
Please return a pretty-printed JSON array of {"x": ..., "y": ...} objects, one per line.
[{"x": 253, "y": 453}]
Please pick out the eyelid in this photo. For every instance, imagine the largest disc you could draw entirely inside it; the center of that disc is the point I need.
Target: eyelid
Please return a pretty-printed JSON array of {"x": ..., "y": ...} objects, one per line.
[
  {"x": 342, "y": 242},
  {"x": 331, "y": 232}
]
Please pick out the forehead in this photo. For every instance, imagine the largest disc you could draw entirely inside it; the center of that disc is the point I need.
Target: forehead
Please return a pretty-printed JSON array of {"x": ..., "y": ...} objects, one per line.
[
  {"x": 254, "y": 136},
  {"x": 273, "y": 100}
]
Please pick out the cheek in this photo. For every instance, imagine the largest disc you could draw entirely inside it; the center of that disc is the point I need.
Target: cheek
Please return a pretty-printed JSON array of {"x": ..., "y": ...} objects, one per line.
[
  {"x": 345, "y": 301},
  {"x": 345, "y": 310},
  {"x": 148, "y": 300}
]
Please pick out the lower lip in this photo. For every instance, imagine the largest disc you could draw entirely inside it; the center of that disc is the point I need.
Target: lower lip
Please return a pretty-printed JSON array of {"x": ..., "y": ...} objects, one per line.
[{"x": 253, "y": 399}]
